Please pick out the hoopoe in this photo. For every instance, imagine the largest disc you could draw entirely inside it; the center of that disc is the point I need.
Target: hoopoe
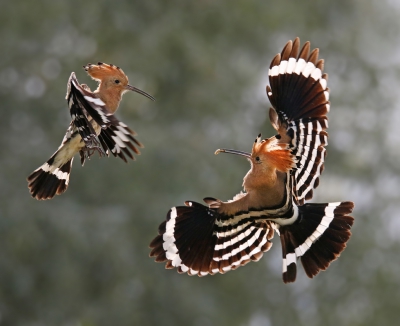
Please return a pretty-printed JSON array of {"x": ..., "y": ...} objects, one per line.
[
  {"x": 201, "y": 240},
  {"x": 93, "y": 128}
]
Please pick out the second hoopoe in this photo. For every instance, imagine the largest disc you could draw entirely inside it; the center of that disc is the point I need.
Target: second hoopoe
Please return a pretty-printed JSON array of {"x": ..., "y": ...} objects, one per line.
[
  {"x": 93, "y": 128},
  {"x": 201, "y": 240}
]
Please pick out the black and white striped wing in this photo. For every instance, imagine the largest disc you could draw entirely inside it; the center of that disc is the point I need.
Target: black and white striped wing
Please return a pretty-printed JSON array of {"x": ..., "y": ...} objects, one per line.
[
  {"x": 91, "y": 106},
  {"x": 79, "y": 114},
  {"x": 118, "y": 139},
  {"x": 299, "y": 95},
  {"x": 197, "y": 240},
  {"x": 309, "y": 139},
  {"x": 114, "y": 136}
]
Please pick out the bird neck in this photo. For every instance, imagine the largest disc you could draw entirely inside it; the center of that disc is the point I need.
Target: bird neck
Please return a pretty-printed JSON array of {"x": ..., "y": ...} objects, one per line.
[
  {"x": 269, "y": 194},
  {"x": 265, "y": 188},
  {"x": 260, "y": 179},
  {"x": 110, "y": 96}
]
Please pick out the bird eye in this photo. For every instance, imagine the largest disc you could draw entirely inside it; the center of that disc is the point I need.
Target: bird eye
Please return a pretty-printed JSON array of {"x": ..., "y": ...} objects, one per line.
[
  {"x": 257, "y": 159},
  {"x": 117, "y": 81}
]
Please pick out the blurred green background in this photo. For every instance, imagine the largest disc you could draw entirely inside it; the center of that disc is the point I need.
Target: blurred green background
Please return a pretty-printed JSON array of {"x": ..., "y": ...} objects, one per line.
[{"x": 81, "y": 259}]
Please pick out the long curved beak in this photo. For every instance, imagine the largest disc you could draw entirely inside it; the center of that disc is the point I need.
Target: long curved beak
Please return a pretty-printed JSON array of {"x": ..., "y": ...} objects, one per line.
[
  {"x": 137, "y": 90},
  {"x": 232, "y": 151}
]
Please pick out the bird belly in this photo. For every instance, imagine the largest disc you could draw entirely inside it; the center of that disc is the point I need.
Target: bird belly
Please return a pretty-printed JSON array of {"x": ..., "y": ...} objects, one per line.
[{"x": 68, "y": 150}]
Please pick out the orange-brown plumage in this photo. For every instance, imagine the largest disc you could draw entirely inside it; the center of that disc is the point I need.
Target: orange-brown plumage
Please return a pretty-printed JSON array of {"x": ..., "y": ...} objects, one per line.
[
  {"x": 277, "y": 155},
  {"x": 205, "y": 240},
  {"x": 93, "y": 128},
  {"x": 103, "y": 70},
  {"x": 265, "y": 182},
  {"x": 113, "y": 83}
]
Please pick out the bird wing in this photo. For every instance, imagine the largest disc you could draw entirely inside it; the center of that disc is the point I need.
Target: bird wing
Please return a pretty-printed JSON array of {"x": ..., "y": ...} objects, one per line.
[
  {"x": 300, "y": 101},
  {"x": 94, "y": 107},
  {"x": 205, "y": 240},
  {"x": 80, "y": 115},
  {"x": 199, "y": 241},
  {"x": 114, "y": 136},
  {"x": 118, "y": 139}
]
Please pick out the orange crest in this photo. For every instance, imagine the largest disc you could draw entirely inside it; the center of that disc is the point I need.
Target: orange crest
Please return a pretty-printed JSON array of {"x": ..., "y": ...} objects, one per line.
[
  {"x": 274, "y": 153},
  {"x": 103, "y": 70}
]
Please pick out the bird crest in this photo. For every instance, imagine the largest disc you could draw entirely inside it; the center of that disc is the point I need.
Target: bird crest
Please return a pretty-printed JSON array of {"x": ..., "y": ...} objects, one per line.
[
  {"x": 103, "y": 70},
  {"x": 276, "y": 154}
]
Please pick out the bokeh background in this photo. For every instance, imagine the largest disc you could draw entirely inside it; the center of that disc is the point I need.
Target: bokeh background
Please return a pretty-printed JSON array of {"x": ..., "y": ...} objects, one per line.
[{"x": 81, "y": 259}]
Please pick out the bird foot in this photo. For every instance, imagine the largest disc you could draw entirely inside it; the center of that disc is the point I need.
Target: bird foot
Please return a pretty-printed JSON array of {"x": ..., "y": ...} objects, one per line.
[{"x": 91, "y": 149}]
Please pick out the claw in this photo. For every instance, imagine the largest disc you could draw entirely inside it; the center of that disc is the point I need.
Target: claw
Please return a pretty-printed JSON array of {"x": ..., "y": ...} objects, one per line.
[{"x": 91, "y": 146}]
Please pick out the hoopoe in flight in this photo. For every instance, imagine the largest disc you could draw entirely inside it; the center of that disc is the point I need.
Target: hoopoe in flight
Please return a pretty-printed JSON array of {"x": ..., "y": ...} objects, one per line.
[
  {"x": 201, "y": 240},
  {"x": 93, "y": 128}
]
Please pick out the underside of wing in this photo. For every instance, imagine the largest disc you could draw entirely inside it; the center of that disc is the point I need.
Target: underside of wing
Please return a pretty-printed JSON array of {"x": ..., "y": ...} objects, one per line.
[
  {"x": 118, "y": 139},
  {"x": 300, "y": 98},
  {"x": 197, "y": 240},
  {"x": 309, "y": 139}
]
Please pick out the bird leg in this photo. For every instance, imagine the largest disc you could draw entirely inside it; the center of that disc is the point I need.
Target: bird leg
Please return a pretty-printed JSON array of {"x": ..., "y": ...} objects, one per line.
[{"x": 92, "y": 146}]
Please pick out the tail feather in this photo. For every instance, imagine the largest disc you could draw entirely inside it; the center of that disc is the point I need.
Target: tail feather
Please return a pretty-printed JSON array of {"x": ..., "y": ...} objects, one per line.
[
  {"x": 317, "y": 237},
  {"x": 49, "y": 179}
]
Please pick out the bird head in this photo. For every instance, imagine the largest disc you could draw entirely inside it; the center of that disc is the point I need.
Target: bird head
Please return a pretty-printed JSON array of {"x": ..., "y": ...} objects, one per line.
[
  {"x": 269, "y": 153},
  {"x": 267, "y": 157},
  {"x": 112, "y": 78},
  {"x": 266, "y": 154}
]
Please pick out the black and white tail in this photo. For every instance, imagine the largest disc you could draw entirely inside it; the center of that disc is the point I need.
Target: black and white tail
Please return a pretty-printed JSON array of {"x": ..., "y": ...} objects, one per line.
[
  {"x": 199, "y": 241},
  {"x": 300, "y": 97},
  {"x": 317, "y": 237},
  {"x": 50, "y": 179}
]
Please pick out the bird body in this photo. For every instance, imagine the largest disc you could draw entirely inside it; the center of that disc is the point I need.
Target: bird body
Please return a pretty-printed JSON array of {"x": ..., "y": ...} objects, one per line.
[
  {"x": 285, "y": 168},
  {"x": 93, "y": 128}
]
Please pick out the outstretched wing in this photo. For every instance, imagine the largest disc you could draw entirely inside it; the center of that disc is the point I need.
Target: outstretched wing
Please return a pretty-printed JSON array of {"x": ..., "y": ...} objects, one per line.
[
  {"x": 119, "y": 139},
  {"x": 300, "y": 99},
  {"x": 199, "y": 241},
  {"x": 112, "y": 135}
]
